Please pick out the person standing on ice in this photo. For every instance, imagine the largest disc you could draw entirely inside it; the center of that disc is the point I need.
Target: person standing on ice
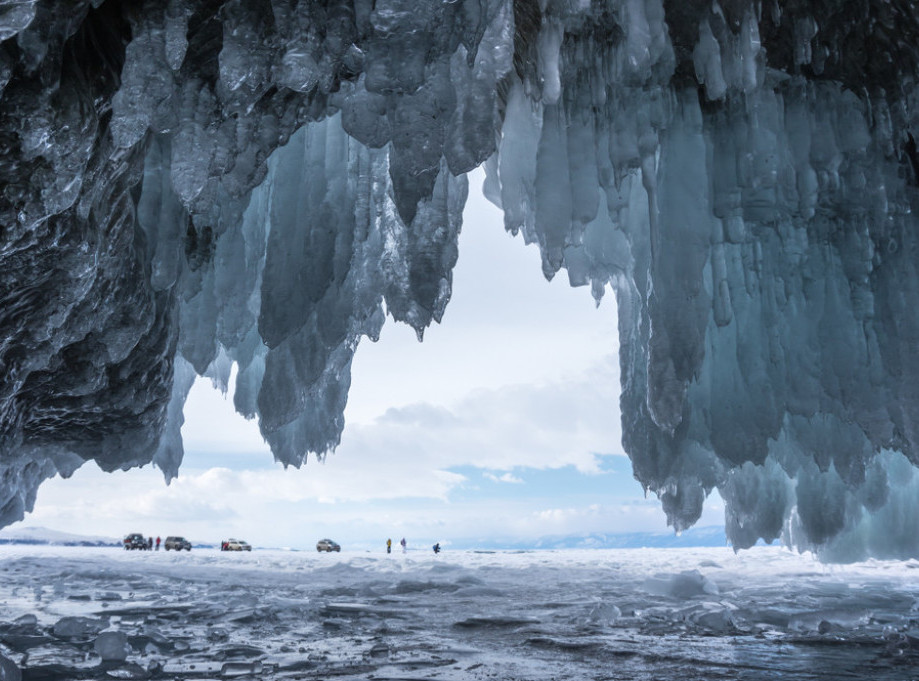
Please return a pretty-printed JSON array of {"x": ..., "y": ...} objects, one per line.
[
  {"x": 403, "y": 544},
  {"x": 157, "y": 543},
  {"x": 389, "y": 546},
  {"x": 149, "y": 543},
  {"x": 436, "y": 548}
]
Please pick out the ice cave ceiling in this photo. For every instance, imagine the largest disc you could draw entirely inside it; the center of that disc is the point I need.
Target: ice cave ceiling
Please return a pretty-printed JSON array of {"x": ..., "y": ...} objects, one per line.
[{"x": 185, "y": 184}]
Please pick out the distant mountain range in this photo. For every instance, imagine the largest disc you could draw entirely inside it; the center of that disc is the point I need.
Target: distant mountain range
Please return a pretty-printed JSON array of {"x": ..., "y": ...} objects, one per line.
[
  {"x": 696, "y": 536},
  {"x": 42, "y": 535}
]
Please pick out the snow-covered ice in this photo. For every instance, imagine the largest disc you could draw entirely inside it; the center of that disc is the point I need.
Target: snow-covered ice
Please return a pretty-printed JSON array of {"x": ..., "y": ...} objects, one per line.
[{"x": 767, "y": 613}]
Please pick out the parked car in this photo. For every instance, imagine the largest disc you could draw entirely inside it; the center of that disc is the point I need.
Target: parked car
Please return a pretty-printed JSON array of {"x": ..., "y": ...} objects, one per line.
[
  {"x": 135, "y": 541},
  {"x": 327, "y": 545},
  {"x": 177, "y": 544},
  {"x": 235, "y": 545}
]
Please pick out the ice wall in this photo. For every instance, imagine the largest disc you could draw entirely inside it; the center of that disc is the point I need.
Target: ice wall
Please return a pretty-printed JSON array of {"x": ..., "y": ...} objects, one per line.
[{"x": 187, "y": 184}]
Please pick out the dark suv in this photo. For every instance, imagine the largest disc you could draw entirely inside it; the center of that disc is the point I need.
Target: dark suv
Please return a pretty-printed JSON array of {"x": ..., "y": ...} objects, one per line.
[
  {"x": 177, "y": 544},
  {"x": 135, "y": 541}
]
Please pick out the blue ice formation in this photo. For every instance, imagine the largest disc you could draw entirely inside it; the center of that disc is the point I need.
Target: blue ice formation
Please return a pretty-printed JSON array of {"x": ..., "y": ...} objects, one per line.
[{"x": 188, "y": 184}]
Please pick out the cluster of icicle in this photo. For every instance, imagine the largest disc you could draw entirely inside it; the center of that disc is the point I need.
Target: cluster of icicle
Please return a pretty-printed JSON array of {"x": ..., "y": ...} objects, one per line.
[{"x": 188, "y": 186}]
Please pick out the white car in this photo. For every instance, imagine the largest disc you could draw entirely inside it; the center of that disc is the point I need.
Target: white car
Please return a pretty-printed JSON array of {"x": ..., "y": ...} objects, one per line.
[{"x": 235, "y": 545}]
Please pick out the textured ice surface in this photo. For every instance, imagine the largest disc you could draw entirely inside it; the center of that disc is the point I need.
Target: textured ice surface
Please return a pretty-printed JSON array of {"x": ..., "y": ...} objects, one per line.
[
  {"x": 188, "y": 184},
  {"x": 765, "y": 614}
]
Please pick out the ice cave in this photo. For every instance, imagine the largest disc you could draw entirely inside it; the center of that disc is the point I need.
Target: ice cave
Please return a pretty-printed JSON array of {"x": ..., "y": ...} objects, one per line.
[{"x": 189, "y": 184}]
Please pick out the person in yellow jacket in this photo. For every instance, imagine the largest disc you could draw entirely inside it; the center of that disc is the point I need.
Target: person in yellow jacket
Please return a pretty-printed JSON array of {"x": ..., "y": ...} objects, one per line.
[{"x": 389, "y": 546}]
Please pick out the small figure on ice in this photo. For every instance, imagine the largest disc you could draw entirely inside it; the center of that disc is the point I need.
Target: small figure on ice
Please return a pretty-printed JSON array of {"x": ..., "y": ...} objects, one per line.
[
  {"x": 157, "y": 543},
  {"x": 389, "y": 546},
  {"x": 403, "y": 544},
  {"x": 436, "y": 548}
]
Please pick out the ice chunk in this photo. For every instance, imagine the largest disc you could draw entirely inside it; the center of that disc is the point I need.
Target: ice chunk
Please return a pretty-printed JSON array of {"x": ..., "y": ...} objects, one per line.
[
  {"x": 604, "y": 613},
  {"x": 686, "y": 584},
  {"x": 15, "y": 16},
  {"x": 233, "y": 669},
  {"x": 77, "y": 627},
  {"x": 717, "y": 618},
  {"x": 8, "y": 670},
  {"x": 827, "y": 621},
  {"x": 112, "y": 646}
]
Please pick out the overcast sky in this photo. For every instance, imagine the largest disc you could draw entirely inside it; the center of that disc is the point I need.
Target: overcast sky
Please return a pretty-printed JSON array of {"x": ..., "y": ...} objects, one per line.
[{"x": 503, "y": 424}]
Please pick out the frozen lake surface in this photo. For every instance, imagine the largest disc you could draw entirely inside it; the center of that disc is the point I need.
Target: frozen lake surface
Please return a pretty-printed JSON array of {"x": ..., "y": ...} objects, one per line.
[{"x": 683, "y": 614}]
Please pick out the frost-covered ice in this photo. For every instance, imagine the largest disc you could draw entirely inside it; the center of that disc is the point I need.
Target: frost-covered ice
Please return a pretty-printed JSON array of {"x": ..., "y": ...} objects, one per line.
[
  {"x": 637, "y": 614},
  {"x": 187, "y": 184}
]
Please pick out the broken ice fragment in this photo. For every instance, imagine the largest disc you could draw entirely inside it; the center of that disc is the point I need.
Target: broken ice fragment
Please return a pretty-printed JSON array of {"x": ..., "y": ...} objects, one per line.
[
  {"x": 78, "y": 627},
  {"x": 112, "y": 646}
]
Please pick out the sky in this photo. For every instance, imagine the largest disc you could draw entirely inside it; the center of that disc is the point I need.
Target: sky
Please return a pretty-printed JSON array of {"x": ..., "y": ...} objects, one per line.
[{"x": 503, "y": 425}]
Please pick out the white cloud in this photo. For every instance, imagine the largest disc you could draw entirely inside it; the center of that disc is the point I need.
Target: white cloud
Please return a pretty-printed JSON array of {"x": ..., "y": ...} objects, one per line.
[
  {"x": 507, "y": 477},
  {"x": 408, "y": 450},
  {"x": 536, "y": 426}
]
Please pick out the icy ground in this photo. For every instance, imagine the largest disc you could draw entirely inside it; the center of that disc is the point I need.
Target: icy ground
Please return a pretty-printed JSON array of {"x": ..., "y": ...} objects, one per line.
[{"x": 638, "y": 614}]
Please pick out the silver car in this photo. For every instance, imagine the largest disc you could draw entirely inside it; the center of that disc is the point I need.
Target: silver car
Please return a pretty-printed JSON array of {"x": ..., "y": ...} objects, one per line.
[
  {"x": 177, "y": 544},
  {"x": 327, "y": 545}
]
